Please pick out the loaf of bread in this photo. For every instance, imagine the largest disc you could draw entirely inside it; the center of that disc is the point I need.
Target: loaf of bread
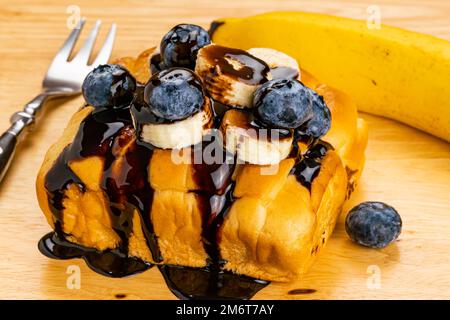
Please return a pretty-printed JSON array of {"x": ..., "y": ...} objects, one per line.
[{"x": 100, "y": 188}]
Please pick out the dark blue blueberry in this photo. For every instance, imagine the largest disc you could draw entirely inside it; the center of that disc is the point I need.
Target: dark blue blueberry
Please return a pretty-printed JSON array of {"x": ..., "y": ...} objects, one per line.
[
  {"x": 179, "y": 47},
  {"x": 174, "y": 94},
  {"x": 320, "y": 122},
  {"x": 283, "y": 103},
  {"x": 109, "y": 85},
  {"x": 373, "y": 224}
]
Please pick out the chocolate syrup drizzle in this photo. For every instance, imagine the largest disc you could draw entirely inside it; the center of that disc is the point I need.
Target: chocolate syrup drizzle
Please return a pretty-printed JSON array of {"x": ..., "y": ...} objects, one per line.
[
  {"x": 307, "y": 167},
  {"x": 252, "y": 69},
  {"x": 109, "y": 133},
  {"x": 104, "y": 133}
]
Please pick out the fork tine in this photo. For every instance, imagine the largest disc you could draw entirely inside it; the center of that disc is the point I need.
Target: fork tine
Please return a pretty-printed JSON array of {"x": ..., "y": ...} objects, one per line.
[
  {"x": 105, "y": 51},
  {"x": 68, "y": 45},
  {"x": 86, "y": 49}
]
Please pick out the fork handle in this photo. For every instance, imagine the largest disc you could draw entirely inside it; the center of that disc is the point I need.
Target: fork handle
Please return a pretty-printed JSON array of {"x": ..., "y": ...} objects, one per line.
[
  {"x": 19, "y": 122},
  {"x": 8, "y": 142}
]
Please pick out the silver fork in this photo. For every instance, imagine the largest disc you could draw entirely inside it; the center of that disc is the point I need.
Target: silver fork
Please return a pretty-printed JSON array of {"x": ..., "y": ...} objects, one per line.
[{"x": 64, "y": 78}]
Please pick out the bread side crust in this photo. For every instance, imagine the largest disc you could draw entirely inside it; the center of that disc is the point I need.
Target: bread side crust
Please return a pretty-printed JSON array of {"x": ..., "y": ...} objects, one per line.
[{"x": 277, "y": 238}]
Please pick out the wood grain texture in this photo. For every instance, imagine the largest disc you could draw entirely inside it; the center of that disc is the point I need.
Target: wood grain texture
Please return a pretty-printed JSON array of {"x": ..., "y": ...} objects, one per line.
[{"x": 406, "y": 168}]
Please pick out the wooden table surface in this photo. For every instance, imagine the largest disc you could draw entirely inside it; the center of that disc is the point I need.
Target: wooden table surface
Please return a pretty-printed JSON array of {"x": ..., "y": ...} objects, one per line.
[{"x": 406, "y": 168}]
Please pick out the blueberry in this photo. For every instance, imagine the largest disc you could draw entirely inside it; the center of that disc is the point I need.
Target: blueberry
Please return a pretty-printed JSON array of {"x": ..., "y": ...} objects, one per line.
[
  {"x": 174, "y": 94},
  {"x": 320, "y": 122},
  {"x": 179, "y": 47},
  {"x": 373, "y": 224},
  {"x": 283, "y": 103},
  {"x": 109, "y": 85}
]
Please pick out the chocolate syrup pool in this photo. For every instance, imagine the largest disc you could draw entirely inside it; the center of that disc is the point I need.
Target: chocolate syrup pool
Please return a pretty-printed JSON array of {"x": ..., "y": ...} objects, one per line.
[{"x": 125, "y": 184}]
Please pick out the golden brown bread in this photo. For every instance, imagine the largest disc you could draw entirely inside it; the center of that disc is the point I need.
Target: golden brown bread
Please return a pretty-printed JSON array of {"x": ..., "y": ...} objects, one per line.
[{"x": 272, "y": 231}]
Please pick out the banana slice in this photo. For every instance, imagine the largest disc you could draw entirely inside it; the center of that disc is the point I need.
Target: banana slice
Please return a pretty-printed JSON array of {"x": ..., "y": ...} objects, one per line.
[
  {"x": 281, "y": 65},
  {"x": 253, "y": 144},
  {"x": 231, "y": 75},
  {"x": 177, "y": 134}
]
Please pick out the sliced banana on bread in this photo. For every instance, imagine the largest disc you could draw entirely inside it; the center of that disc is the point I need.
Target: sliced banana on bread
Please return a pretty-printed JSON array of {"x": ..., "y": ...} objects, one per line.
[{"x": 230, "y": 75}]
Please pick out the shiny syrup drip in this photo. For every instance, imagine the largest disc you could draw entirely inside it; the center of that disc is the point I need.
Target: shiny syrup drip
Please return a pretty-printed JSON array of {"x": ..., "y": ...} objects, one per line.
[
  {"x": 252, "y": 70},
  {"x": 199, "y": 284},
  {"x": 215, "y": 197},
  {"x": 218, "y": 110},
  {"x": 301, "y": 291},
  {"x": 103, "y": 133},
  {"x": 111, "y": 263},
  {"x": 214, "y": 194},
  {"x": 308, "y": 167},
  {"x": 129, "y": 189}
]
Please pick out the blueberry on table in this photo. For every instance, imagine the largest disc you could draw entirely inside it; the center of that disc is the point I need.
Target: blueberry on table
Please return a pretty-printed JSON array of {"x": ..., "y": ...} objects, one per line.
[
  {"x": 320, "y": 122},
  {"x": 373, "y": 224},
  {"x": 179, "y": 47},
  {"x": 174, "y": 94},
  {"x": 283, "y": 103},
  {"x": 109, "y": 85}
]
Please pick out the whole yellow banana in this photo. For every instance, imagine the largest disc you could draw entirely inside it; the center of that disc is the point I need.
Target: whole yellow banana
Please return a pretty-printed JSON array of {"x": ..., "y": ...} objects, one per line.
[{"x": 390, "y": 72}]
